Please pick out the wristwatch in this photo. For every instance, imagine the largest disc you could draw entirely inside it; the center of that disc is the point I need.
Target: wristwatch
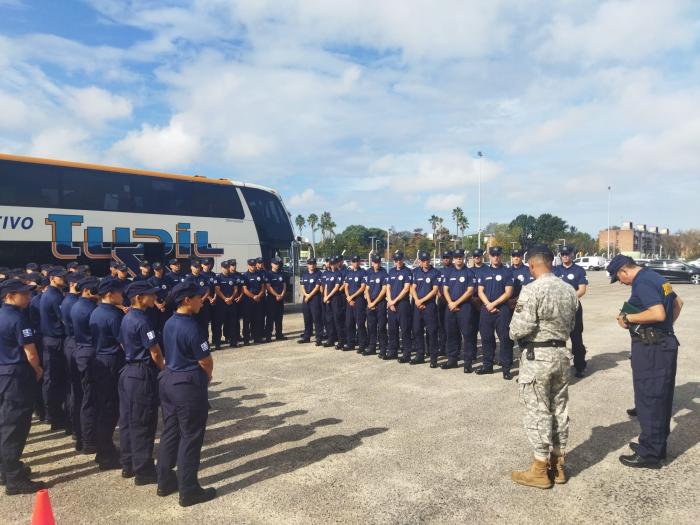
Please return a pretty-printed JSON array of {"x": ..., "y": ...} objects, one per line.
[{"x": 624, "y": 318}]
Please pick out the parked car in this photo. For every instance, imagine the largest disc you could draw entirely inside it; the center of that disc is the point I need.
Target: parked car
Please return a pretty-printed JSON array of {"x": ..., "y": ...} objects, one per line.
[
  {"x": 591, "y": 263},
  {"x": 677, "y": 271},
  {"x": 695, "y": 263}
]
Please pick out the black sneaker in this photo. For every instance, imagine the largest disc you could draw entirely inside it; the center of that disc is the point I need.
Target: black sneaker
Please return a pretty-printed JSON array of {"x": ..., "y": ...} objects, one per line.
[
  {"x": 304, "y": 341},
  {"x": 145, "y": 478},
  {"x": 26, "y": 471},
  {"x": 24, "y": 486},
  {"x": 127, "y": 473},
  {"x": 199, "y": 495},
  {"x": 167, "y": 487}
]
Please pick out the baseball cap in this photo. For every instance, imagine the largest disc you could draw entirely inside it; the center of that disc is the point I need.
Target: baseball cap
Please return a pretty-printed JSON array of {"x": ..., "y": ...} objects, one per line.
[{"x": 616, "y": 265}]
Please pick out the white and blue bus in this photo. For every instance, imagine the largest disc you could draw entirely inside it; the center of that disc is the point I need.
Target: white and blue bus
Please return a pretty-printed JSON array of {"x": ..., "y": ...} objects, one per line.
[{"x": 57, "y": 211}]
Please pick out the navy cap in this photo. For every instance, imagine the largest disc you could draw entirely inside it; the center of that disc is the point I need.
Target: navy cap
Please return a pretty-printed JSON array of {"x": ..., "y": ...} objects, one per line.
[
  {"x": 567, "y": 250},
  {"x": 140, "y": 288},
  {"x": 208, "y": 261},
  {"x": 195, "y": 262},
  {"x": 88, "y": 283},
  {"x": 616, "y": 265},
  {"x": 251, "y": 262},
  {"x": 32, "y": 266},
  {"x": 113, "y": 264},
  {"x": 109, "y": 284},
  {"x": 276, "y": 260},
  {"x": 74, "y": 277},
  {"x": 83, "y": 268},
  {"x": 145, "y": 264},
  {"x": 157, "y": 266},
  {"x": 398, "y": 255},
  {"x": 424, "y": 256},
  {"x": 311, "y": 260},
  {"x": 335, "y": 259},
  {"x": 341, "y": 257},
  {"x": 173, "y": 261},
  {"x": 31, "y": 277},
  {"x": 57, "y": 271},
  {"x": 71, "y": 265},
  {"x": 187, "y": 289},
  {"x": 377, "y": 258},
  {"x": 478, "y": 253},
  {"x": 516, "y": 253},
  {"x": 121, "y": 267},
  {"x": 259, "y": 260},
  {"x": 355, "y": 258},
  {"x": 459, "y": 253},
  {"x": 495, "y": 251},
  {"x": 225, "y": 264},
  {"x": 447, "y": 255},
  {"x": 540, "y": 249},
  {"x": 232, "y": 262},
  {"x": 14, "y": 286}
]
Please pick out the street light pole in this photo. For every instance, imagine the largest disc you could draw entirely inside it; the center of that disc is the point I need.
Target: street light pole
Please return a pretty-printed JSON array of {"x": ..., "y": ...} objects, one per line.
[
  {"x": 609, "y": 199},
  {"x": 481, "y": 159}
]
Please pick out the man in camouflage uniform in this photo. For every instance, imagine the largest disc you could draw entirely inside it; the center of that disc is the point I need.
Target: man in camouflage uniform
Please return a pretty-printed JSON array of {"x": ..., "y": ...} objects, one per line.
[{"x": 543, "y": 319}]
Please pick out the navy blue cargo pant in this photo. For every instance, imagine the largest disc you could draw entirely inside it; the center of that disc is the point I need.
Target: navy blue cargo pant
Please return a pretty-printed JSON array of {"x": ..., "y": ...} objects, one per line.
[
  {"x": 85, "y": 403},
  {"x": 399, "y": 320},
  {"x": 425, "y": 326},
  {"x": 442, "y": 324},
  {"x": 274, "y": 313},
  {"x": 458, "y": 325},
  {"x": 106, "y": 372},
  {"x": 654, "y": 378},
  {"x": 476, "y": 320},
  {"x": 138, "y": 416},
  {"x": 355, "y": 322},
  {"x": 17, "y": 392},
  {"x": 577, "y": 346},
  {"x": 376, "y": 328},
  {"x": 54, "y": 389},
  {"x": 69, "y": 347},
  {"x": 222, "y": 324},
  {"x": 313, "y": 318},
  {"x": 183, "y": 399},
  {"x": 253, "y": 319},
  {"x": 491, "y": 324},
  {"x": 338, "y": 315}
]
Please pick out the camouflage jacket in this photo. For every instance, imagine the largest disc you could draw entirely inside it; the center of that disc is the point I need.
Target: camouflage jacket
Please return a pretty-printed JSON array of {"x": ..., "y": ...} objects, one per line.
[{"x": 546, "y": 310}]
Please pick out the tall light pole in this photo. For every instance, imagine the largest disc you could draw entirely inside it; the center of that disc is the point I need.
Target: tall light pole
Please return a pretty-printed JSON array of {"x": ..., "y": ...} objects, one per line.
[
  {"x": 481, "y": 159},
  {"x": 609, "y": 199}
]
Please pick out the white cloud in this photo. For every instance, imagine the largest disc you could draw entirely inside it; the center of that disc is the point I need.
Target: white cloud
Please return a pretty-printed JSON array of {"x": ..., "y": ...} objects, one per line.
[
  {"x": 95, "y": 106},
  {"x": 551, "y": 130},
  {"x": 305, "y": 199},
  {"x": 245, "y": 145},
  {"x": 61, "y": 143},
  {"x": 164, "y": 147},
  {"x": 445, "y": 201}
]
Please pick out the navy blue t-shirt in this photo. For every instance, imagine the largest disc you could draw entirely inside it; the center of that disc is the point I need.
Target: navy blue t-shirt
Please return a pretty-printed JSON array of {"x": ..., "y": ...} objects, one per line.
[
  {"x": 310, "y": 280},
  {"x": 105, "y": 323},
  {"x": 226, "y": 283},
  {"x": 50, "y": 312},
  {"x": 649, "y": 289},
  {"x": 254, "y": 281},
  {"x": 34, "y": 314},
  {"x": 458, "y": 281},
  {"x": 276, "y": 280},
  {"x": 173, "y": 278},
  {"x": 80, "y": 317},
  {"x": 15, "y": 332},
  {"x": 184, "y": 344},
  {"x": 574, "y": 275},
  {"x": 397, "y": 279},
  {"x": 137, "y": 335},
  {"x": 376, "y": 281},
  {"x": 163, "y": 284},
  {"x": 425, "y": 280},
  {"x": 66, "y": 306},
  {"x": 355, "y": 279},
  {"x": 521, "y": 277},
  {"x": 495, "y": 280}
]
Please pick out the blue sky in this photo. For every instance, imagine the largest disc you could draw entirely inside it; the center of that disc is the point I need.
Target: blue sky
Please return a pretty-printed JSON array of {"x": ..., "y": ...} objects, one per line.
[{"x": 374, "y": 111}]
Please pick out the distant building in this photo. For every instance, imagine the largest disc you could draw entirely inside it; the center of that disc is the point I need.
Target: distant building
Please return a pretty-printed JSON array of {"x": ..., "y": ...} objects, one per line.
[{"x": 638, "y": 241}]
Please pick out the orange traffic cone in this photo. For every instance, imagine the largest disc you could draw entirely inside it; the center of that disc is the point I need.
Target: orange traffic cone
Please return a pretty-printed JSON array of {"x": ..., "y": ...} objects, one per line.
[{"x": 42, "y": 514}]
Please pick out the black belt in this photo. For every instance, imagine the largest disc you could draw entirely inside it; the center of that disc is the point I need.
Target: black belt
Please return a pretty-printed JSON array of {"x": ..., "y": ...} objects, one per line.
[
  {"x": 552, "y": 343},
  {"x": 144, "y": 361}
]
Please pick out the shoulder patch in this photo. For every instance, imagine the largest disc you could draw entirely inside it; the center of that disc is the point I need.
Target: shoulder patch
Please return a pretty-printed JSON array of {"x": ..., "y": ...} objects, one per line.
[
  {"x": 27, "y": 332},
  {"x": 667, "y": 288}
]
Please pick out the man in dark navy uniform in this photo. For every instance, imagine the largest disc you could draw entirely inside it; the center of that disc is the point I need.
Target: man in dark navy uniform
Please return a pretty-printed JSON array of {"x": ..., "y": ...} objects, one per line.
[
  {"x": 224, "y": 309},
  {"x": 144, "y": 271},
  {"x": 138, "y": 385},
  {"x": 253, "y": 305},
  {"x": 237, "y": 304},
  {"x": 477, "y": 267},
  {"x": 335, "y": 302},
  {"x": 210, "y": 303},
  {"x": 311, "y": 286},
  {"x": 160, "y": 310},
  {"x": 276, "y": 290},
  {"x": 105, "y": 322},
  {"x": 495, "y": 288},
  {"x": 34, "y": 313},
  {"x": 174, "y": 275},
  {"x": 72, "y": 374},
  {"x": 375, "y": 296},
  {"x": 447, "y": 258},
  {"x": 20, "y": 369},
  {"x": 113, "y": 269},
  {"x": 184, "y": 400},
  {"x": 398, "y": 290},
  {"x": 356, "y": 306},
  {"x": 84, "y": 403},
  {"x": 459, "y": 285},
  {"x": 424, "y": 289},
  {"x": 654, "y": 356},
  {"x": 573, "y": 274},
  {"x": 261, "y": 270},
  {"x": 54, "y": 360},
  {"x": 197, "y": 276},
  {"x": 521, "y": 276}
]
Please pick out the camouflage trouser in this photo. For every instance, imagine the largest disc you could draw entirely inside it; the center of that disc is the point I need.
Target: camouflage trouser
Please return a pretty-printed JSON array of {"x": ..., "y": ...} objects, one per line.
[{"x": 544, "y": 391}]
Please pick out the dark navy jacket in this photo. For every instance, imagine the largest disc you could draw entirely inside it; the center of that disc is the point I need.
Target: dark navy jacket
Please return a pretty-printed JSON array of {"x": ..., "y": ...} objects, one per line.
[{"x": 105, "y": 323}]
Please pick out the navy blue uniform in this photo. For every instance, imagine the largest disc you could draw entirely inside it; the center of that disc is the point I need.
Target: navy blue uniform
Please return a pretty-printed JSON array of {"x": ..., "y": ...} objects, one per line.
[
  {"x": 159, "y": 316},
  {"x": 356, "y": 315},
  {"x": 313, "y": 316},
  {"x": 335, "y": 308},
  {"x": 442, "y": 311},
  {"x": 183, "y": 396},
  {"x": 425, "y": 322},
  {"x": 138, "y": 394},
  {"x": 225, "y": 314},
  {"x": 105, "y": 322},
  {"x": 72, "y": 374},
  {"x": 654, "y": 365},
  {"x": 253, "y": 312},
  {"x": 34, "y": 313},
  {"x": 274, "y": 313},
  {"x": 204, "y": 315},
  {"x": 376, "y": 317},
  {"x": 495, "y": 281},
  {"x": 575, "y": 276},
  {"x": 85, "y": 399},
  {"x": 400, "y": 317},
  {"x": 476, "y": 307},
  {"x": 17, "y": 390},
  {"x": 458, "y": 323},
  {"x": 521, "y": 277},
  {"x": 207, "y": 306},
  {"x": 54, "y": 361}
]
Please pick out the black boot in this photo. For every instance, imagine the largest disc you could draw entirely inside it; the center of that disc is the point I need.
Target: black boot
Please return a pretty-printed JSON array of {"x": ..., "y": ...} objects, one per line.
[
  {"x": 23, "y": 485},
  {"x": 198, "y": 495},
  {"x": 450, "y": 364},
  {"x": 484, "y": 370}
]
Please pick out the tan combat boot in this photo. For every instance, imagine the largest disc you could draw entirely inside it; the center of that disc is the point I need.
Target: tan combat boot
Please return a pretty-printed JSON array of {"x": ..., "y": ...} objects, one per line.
[
  {"x": 536, "y": 476},
  {"x": 556, "y": 466}
]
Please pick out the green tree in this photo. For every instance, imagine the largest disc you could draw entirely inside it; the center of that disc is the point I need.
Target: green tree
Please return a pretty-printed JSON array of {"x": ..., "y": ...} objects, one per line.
[
  {"x": 527, "y": 226},
  {"x": 313, "y": 224},
  {"x": 550, "y": 228},
  {"x": 300, "y": 222},
  {"x": 461, "y": 223},
  {"x": 327, "y": 226}
]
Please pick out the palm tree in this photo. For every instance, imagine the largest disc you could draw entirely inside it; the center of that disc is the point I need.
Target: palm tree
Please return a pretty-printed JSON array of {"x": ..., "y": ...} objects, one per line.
[
  {"x": 461, "y": 222},
  {"x": 433, "y": 224},
  {"x": 462, "y": 225},
  {"x": 313, "y": 224},
  {"x": 327, "y": 226},
  {"x": 300, "y": 221}
]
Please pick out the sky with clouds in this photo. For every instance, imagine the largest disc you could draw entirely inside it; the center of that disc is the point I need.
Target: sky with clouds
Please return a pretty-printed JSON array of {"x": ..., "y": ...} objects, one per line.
[{"x": 374, "y": 111}]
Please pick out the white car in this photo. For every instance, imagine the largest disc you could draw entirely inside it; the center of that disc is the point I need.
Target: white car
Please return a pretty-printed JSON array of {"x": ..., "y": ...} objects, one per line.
[
  {"x": 591, "y": 263},
  {"x": 695, "y": 263}
]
